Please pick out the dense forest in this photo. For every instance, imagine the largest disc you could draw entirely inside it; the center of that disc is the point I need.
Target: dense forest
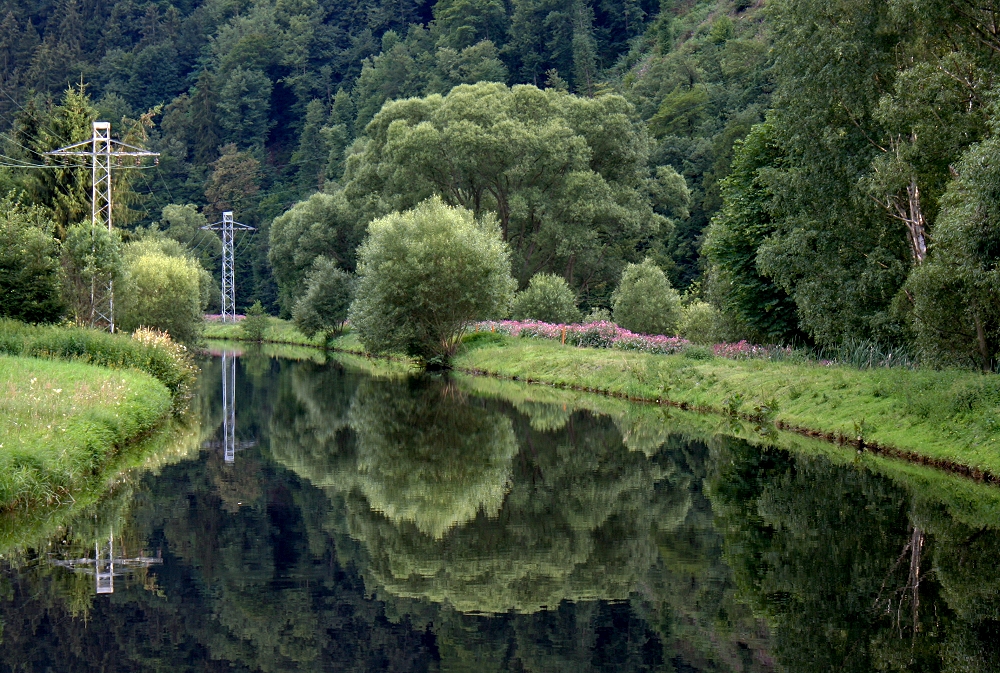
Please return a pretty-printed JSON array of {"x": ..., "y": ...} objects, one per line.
[{"x": 820, "y": 172}]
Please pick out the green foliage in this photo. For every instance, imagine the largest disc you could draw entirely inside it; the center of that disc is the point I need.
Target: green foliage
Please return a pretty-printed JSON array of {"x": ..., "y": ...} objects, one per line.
[
  {"x": 425, "y": 275},
  {"x": 463, "y": 23},
  {"x": 183, "y": 223},
  {"x": 234, "y": 181},
  {"x": 30, "y": 281},
  {"x": 565, "y": 175},
  {"x": 91, "y": 258},
  {"x": 162, "y": 288},
  {"x": 414, "y": 66},
  {"x": 547, "y": 298},
  {"x": 704, "y": 80},
  {"x": 313, "y": 153},
  {"x": 598, "y": 314},
  {"x": 433, "y": 463},
  {"x": 324, "y": 225},
  {"x": 701, "y": 323},
  {"x": 644, "y": 302},
  {"x": 956, "y": 294},
  {"x": 64, "y": 192},
  {"x": 255, "y": 323},
  {"x": 324, "y": 307},
  {"x": 244, "y": 106},
  {"x": 763, "y": 312}
]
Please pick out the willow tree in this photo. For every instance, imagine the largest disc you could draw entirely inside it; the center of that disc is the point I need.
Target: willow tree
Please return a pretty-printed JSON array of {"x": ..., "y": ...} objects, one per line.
[
  {"x": 566, "y": 176},
  {"x": 425, "y": 275}
]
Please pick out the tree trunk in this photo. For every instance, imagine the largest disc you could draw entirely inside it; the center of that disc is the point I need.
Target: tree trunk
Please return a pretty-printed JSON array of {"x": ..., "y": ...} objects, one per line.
[{"x": 984, "y": 350}]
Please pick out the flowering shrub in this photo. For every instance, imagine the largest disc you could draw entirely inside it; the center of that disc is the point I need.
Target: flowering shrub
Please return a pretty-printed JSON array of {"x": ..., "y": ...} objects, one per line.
[
  {"x": 744, "y": 350},
  {"x": 602, "y": 334}
]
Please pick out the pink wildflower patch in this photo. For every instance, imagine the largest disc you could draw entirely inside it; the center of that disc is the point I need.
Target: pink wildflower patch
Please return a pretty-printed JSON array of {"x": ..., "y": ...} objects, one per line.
[
  {"x": 744, "y": 350},
  {"x": 602, "y": 334}
]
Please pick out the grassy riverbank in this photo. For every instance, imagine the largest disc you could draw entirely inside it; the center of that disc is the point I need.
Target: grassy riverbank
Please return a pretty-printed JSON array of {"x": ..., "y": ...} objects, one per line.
[
  {"x": 278, "y": 331},
  {"x": 948, "y": 417},
  {"x": 74, "y": 398},
  {"x": 62, "y": 421}
]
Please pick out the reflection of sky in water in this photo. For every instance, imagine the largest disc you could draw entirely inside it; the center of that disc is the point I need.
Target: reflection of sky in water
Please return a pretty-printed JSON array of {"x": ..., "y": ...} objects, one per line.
[{"x": 342, "y": 519}]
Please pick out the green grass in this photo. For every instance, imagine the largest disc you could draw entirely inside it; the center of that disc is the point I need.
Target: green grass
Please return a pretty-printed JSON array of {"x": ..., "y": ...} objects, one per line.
[
  {"x": 951, "y": 415},
  {"x": 278, "y": 331},
  {"x": 62, "y": 422},
  {"x": 645, "y": 427},
  {"x": 284, "y": 332},
  {"x": 148, "y": 352}
]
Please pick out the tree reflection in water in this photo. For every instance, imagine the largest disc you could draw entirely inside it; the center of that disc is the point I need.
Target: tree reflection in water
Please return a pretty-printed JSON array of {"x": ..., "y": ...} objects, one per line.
[{"x": 383, "y": 524}]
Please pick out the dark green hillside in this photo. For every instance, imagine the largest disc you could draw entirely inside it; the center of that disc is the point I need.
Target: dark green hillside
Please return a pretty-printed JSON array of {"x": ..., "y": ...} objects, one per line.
[{"x": 256, "y": 104}]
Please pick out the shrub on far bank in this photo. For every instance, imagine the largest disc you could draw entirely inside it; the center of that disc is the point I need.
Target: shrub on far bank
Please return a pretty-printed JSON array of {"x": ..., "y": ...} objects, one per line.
[
  {"x": 425, "y": 275},
  {"x": 598, "y": 314},
  {"x": 254, "y": 325},
  {"x": 644, "y": 301},
  {"x": 91, "y": 257},
  {"x": 162, "y": 288},
  {"x": 548, "y": 298},
  {"x": 700, "y": 323},
  {"x": 324, "y": 307}
]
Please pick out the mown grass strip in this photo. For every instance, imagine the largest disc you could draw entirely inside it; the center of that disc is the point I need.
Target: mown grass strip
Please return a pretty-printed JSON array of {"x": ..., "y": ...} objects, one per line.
[
  {"x": 278, "y": 331},
  {"x": 63, "y": 421},
  {"x": 948, "y": 418}
]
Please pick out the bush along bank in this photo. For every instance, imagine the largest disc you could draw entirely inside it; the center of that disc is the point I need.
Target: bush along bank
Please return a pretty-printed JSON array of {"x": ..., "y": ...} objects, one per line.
[{"x": 946, "y": 418}]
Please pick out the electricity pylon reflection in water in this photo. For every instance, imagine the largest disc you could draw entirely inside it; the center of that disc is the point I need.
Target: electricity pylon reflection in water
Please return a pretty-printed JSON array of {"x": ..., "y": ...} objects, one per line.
[
  {"x": 106, "y": 566},
  {"x": 229, "y": 445}
]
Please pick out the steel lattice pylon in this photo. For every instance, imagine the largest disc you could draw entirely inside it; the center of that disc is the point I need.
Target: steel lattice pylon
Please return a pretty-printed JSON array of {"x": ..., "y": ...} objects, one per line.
[
  {"x": 101, "y": 148},
  {"x": 228, "y": 228}
]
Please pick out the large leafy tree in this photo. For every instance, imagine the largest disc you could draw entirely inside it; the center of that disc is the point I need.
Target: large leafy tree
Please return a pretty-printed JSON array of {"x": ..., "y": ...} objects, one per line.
[
  {"x": 163, "y": 287},
  {"x": 956, "y": 294},
  {"x": 566, "y": 176},
  {"x": 324, "y": 225},
  {"x": 761, "y": 310}
]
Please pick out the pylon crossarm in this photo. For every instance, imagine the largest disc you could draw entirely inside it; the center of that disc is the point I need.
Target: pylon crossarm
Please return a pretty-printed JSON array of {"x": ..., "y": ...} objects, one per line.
[
  {"x": 64, "y": 150},
  {"x": 218, "y": 226}
]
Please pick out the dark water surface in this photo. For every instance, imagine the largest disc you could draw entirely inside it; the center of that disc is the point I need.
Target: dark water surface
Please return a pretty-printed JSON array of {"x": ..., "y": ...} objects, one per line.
[{"x": 337, "y": 519}]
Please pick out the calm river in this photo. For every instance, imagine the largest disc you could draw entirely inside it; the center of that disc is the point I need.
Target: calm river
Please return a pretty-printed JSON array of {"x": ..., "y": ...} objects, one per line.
[{"x": 338, "y": 516}]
